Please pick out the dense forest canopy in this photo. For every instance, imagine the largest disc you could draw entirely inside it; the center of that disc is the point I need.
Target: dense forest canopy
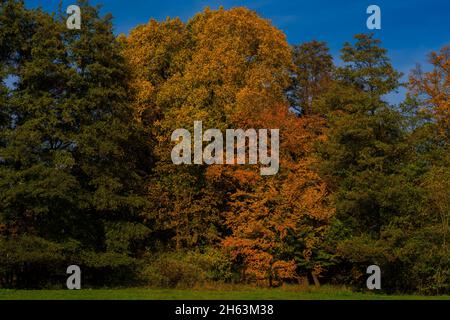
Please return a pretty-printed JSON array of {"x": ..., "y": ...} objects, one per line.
[{"x": 86, "y": 175}]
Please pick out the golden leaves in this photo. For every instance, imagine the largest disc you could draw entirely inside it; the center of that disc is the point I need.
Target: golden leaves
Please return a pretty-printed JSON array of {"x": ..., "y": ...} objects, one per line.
[
  {"x": 435, "y": 86},
  {"x": 229, "y": 69}
]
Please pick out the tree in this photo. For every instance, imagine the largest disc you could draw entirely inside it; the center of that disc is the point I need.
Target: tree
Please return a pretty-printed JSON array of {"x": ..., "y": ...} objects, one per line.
[
  {"x": 71, "y": 174},
  {"x": 432, "y": 90},
  {"x": 426, "y": 251},
  {"x": 364, "y": 157},
  {"x": 200, "y": 71},
  {"x": 230, "y": 69},
  {"x": 312, "y": 75},
  {"x": 278, "y": 224},
  {"x": 365, "y": 137},
  {"x": 183, "y": 206}
]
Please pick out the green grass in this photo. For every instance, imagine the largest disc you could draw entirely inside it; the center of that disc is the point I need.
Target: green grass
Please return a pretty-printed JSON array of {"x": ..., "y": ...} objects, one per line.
[{"x": 325, "y": 293}]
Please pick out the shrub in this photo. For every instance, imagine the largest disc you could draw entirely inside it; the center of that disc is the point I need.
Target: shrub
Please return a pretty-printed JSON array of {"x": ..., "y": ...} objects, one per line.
[{"x": 186, "y": 269}]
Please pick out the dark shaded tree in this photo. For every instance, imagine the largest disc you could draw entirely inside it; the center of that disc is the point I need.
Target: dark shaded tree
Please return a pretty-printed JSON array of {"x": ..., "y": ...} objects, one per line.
[
  {"x": 313, "y": 72},
  {"x": 74, "y": 161}
]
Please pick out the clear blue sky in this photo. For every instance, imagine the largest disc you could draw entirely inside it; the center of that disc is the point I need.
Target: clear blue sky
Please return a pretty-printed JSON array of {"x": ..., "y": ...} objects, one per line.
[{"x": 410, "y": 28}]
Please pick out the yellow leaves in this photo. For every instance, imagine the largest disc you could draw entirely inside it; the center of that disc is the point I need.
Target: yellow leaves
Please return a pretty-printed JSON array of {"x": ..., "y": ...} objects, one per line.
[
  {"x": 318, "y": 269},
  {"x": 154, "y": 52},
  {"x": 260, "y": 265},
  {"x": 229, "y": 69},
  {"x": 246, "y": 177},
  {"x": 214, "y": 173},
  {"x": 143, "y": 93},
  {"x": 284, "y": 269},
  {"x": 435, "y": 85},
  {"x": 208, "y": 63},
  {"x": 268, "y": 211}
]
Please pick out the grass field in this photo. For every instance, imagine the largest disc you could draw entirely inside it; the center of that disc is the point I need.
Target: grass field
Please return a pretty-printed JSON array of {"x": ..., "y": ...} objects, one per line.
[{"x": 325, "y": 293}]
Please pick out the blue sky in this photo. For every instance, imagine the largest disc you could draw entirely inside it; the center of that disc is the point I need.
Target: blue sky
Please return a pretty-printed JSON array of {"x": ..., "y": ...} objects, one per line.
[{"x": 410, "y": 28}]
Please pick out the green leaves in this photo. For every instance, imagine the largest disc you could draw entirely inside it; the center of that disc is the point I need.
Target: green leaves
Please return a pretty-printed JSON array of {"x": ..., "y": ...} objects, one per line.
[
  {"x": 367, "y": 67},
  {"x": 70, "y": 149},
  {"x": 86, "y": 176}
]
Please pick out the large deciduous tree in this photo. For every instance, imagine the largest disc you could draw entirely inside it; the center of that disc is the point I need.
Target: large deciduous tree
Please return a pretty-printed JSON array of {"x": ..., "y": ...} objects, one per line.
[{"x": 229, "y": 69}]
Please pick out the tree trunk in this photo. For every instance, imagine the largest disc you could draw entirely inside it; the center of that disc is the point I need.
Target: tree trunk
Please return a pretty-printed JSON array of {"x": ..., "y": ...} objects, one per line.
[{"x": 316, "y": 280}]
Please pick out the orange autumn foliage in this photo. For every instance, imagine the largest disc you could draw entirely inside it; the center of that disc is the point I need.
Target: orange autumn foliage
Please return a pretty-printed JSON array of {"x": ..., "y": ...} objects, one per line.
[
  {"x": 434, "y": 88},
  {"x": 266, "y": 217},
  {"x": 230, "y": 69}
]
